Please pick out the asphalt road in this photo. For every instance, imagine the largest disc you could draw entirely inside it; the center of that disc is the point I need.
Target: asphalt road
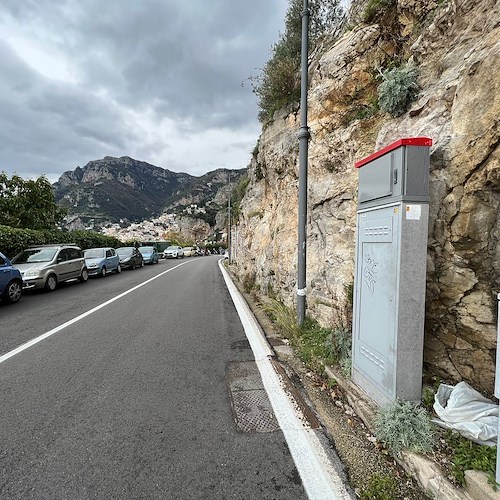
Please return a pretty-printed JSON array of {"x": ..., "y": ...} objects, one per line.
[{"x": 132, "y": 400}]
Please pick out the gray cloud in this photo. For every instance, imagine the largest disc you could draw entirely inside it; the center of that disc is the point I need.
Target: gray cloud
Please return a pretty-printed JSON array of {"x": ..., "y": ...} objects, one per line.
[{"x": 140, "y": 72}]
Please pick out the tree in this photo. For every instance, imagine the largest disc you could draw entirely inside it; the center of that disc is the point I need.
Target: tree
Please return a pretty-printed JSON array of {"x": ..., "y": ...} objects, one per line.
[
  {"x": 28, "y": 204},
  {"x": 279, "y": 82}
]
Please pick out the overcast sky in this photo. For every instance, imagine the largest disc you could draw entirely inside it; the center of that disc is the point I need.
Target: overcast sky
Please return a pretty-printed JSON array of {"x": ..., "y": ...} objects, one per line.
[{"x": 162, "y": 81}]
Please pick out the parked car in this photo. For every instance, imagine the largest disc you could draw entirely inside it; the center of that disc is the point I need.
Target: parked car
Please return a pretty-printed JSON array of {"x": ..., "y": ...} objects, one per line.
[
  {"x": 102, "y": 261},
  {"x": 189, "y": 251},
  {"x": 47, "y": 265},
  {"x": 130, "y": 257},
  {"x": 149, "y": 254},
  {"x": 11, "y": 281},
  {"x": 173, "y": 252}
]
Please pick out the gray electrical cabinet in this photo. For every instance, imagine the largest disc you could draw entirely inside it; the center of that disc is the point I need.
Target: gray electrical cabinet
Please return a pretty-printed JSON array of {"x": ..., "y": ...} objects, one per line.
[{"x": 390, "y": 271}]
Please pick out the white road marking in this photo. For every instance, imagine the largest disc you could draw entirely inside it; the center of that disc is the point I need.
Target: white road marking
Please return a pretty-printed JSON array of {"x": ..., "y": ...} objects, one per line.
[
  {"x": 319, "y": 477},
  {"x": 34, "y": 341}
]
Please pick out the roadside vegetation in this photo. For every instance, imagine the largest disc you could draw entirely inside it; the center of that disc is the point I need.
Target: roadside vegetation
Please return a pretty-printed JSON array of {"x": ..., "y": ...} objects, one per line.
[
  {"x": 29, "y": 215},
  {"x": 278, "y": 84},
  {"x": 393, "y": 88},
  {"x": 28, "y": 204},
  {"x": 13, "y": 240},
  {"x": 398, "y": 426},
  {"x": 237, "y": 196},
  {"x": 403, "y": 425},
  {"x": 315, "y": 345}
]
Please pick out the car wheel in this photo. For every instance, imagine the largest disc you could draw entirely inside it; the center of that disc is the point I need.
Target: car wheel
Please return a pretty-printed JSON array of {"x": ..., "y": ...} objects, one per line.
[
  {"x": 51, "y": 283},
  {"x": 84, "y": 276},
  {"x": 103, "y": 272},
  {"x": 118, "y": 269},
  {"x": 13, "y": 292}
]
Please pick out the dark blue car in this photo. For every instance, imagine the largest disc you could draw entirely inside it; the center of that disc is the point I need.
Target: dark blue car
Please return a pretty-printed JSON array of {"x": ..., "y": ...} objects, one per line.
[{"x": 11, "y": 282}]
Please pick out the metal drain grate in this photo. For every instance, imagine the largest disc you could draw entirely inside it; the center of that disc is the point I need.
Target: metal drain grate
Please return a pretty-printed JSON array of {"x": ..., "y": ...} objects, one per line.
[
  {"x": 253, "y": 411},
  {"x": 251, "y": 406}
]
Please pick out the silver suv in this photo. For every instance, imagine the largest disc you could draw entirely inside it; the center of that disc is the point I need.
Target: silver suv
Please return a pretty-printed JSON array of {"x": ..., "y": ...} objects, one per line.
[{"x": 47, "y": 265}]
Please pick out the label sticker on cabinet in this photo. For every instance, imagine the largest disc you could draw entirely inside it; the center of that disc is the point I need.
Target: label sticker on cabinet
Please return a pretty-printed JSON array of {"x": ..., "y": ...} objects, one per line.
[{"x": 413, "y": 212}]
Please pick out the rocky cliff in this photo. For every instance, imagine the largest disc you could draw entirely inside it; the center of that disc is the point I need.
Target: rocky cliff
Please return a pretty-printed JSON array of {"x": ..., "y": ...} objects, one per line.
[{"x": 455, "y": 44}]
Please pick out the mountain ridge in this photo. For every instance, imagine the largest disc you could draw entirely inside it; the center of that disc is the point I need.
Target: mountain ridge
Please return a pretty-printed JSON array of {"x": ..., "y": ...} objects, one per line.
[{"x": 111, "y": 190}]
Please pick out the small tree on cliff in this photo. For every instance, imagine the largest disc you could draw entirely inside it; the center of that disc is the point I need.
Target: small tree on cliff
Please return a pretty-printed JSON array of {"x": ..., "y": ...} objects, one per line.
[
  {"x": 278, "y": 84},
  {"x": 28, "y": 204}
]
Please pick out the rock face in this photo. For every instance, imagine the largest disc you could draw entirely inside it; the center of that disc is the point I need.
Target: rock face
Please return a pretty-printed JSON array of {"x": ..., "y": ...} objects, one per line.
[
  {"x": 191, "y": 228},
  {"x": 456, "y": 46}
]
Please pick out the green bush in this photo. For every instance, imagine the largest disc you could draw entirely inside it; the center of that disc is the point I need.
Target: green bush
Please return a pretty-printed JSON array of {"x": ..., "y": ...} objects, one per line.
[
  {"x": 402, "y": 425},
  {"x": 278, "y": 85},
  {"x": 13, "y": 240},
  {"x": 398, "y": 89}
]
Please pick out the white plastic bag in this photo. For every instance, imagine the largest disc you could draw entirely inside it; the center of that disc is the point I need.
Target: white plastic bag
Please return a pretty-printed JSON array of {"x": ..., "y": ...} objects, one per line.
[{"x": 467, "y": 411}]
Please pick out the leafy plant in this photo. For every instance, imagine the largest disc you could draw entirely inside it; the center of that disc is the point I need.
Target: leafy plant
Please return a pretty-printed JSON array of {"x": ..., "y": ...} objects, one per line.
[
  {"x": 428, "y": 398},
  {"x": 315, "y": 345},
  {"x": 403, "y": 425},
  {"x": 342, "y": 343},
  {"x": 278, "y": 84},
  {"x": 469, "y": 455},
  {"x": 284, "y": 317},
  {"x": 375, "y": 9},
  {"x": 28, "y": 204},
  {"x": 379, "y": 487},
  {"x": 346, "y": 366},
  {"x": 398, "y": 89}
]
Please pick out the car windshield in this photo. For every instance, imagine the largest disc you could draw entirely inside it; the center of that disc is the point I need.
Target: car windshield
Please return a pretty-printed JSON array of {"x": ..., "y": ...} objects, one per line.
[
  {"x": 33, "y": 255},
  {"x": 94, "y": 253},
  {"x": 124, "y": 251},
  {"x": 146, "y": 249},
  {"x": 171, "y": 248}
]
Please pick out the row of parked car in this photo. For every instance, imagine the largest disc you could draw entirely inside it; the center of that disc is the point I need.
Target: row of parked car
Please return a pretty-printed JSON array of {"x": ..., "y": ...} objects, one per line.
[
  {"x": 178, "y": 252},
  {"x": 43, "y": 267}
]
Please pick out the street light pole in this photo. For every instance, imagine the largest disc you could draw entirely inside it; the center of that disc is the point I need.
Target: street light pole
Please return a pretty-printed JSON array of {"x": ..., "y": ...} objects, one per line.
[
  {"x": 303, "y": 136},
  {"x": 229, "y": 216}
]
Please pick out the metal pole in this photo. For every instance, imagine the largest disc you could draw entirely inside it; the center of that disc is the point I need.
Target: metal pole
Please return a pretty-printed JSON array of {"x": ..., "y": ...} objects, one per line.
[
  {"x": 304, "y": 136},
  {"x": 229, "y": 217}
]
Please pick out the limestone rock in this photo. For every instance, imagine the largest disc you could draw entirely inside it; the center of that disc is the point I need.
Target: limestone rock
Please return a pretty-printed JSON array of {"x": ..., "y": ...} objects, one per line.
[{"x": 456, "y": 46}]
